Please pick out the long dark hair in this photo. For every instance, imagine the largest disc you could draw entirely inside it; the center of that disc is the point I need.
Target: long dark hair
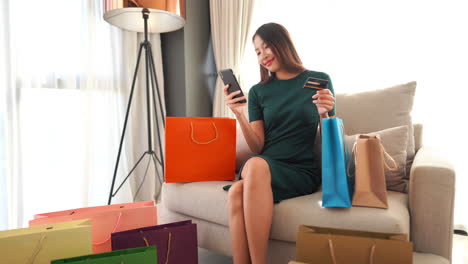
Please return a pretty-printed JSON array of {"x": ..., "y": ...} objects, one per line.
[{"x": 277, "y": 38}]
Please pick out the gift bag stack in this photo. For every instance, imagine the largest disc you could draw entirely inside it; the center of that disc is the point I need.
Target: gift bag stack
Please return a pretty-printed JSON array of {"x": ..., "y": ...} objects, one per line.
[
  {"x": 128, "y": 233},
  {"x": 113, "y": 234}
]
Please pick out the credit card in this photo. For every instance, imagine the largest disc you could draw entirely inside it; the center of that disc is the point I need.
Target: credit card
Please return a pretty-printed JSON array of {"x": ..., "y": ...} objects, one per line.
[{"x": 315, "y": 83}]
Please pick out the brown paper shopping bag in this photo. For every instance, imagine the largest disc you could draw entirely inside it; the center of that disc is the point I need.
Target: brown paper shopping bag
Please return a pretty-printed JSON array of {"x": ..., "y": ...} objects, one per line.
[
  {"x": 338, "y": 246},
  {"x": 370, "y": 157}
]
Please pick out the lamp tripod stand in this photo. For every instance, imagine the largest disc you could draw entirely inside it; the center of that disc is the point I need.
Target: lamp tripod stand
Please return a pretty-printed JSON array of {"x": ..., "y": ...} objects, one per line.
[{"x": 150, "y": 93}]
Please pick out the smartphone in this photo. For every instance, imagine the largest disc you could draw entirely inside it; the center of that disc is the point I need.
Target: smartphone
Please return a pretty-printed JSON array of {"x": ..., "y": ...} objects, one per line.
[
  {"x": 315, "y": 83},
  {"x": 229, "y": 78}
]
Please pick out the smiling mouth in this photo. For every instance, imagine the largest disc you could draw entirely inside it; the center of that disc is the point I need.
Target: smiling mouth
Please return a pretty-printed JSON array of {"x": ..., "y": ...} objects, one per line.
[{"x": 268, "y": 63}]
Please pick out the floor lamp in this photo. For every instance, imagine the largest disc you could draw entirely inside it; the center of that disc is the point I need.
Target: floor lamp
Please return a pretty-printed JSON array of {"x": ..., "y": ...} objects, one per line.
[{"x": 156, "y": 16}]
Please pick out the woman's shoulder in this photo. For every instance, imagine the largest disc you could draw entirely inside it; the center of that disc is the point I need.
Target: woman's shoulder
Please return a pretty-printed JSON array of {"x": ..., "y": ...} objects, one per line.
[
  {"x": 317, "y": 74},
  {"x": 256, "y": 87}
]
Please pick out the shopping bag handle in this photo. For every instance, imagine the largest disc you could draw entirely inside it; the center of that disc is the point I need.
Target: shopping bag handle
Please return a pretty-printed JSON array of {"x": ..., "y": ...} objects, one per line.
[
  {"x": 346, "y": 150},
  {"x": 37, "y": 249},
  {"x": 390, "y": 158},
  {"x": 343, "y": 135},
  {"x": 168, "y": 245},
  {"x": 332, "y": 252},
  {"x": 386, "y": 158},
  {"x": 113, "y": 230},
  {"x": 204, "y": 143},
  {"x": 352, "y": 158}
]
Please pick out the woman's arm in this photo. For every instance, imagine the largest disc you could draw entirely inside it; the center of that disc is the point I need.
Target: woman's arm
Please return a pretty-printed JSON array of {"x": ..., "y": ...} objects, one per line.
[{"x": 254, "y": 133}]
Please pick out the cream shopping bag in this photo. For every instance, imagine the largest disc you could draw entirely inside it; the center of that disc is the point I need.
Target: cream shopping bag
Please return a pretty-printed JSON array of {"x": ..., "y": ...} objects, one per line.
[{"x": 44, "y": 243}]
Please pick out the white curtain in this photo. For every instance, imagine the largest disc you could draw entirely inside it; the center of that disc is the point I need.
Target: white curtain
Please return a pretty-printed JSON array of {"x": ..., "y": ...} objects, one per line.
[
  {"x": 366, "y": 45},
  {"x": 230, "y": 27},
  {"x": 65, "y": 81}
]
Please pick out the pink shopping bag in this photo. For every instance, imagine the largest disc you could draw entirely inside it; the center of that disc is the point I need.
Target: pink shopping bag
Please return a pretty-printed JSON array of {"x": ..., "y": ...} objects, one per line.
[{"x": 105, "y": 220}]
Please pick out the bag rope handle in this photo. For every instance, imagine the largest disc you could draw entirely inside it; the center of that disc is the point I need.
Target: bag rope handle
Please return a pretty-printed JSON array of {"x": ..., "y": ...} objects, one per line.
[
  {"x": 168, "y": 247},
  {"x": 387, "y": 157},
  {"x": 37, "y": 249},
  {"x": 146, "y": 240},
  {"x": 351, "y": 159},
  {"x": 346, "y": 150},
  {"x": 203, "y": 143},
  {"x": 168, "y": 244},
  {"x": 113, "y": 230},
  {"x": 390, "y": 158},
  {"x": 345, "y": 146},
  {"x": 332, "y": 252},
  {"x": 371, "y": 255}
]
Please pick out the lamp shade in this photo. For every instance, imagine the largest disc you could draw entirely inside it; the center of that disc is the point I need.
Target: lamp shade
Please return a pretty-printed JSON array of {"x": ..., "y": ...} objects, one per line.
[{"x": 164, "y": 16}]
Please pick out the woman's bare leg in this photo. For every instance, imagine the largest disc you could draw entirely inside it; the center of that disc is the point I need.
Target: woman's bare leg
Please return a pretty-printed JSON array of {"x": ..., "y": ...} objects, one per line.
[
  {"x": 258, "y": 207},
  {"x": 240, "y": 248}
]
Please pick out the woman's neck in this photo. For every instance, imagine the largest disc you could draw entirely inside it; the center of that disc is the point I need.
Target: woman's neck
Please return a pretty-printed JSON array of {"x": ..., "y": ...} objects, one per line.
[{"x": 284, "y": 75}]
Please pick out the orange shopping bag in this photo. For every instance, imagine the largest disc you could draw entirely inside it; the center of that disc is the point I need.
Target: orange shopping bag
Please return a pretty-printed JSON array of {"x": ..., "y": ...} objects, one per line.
[
  {"x": 105, "y": 220},
  {"x": 200, "y": 149}
]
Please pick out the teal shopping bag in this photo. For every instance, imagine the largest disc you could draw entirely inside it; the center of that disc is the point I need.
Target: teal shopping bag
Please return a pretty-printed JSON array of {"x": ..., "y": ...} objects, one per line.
[
  {"x": 142, "y": 255},
  {"x": 335, "y": 157}
]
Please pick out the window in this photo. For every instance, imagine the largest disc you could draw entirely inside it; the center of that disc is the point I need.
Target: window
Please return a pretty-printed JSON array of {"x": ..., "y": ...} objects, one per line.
[
  {"x": 67, "y": 71},
  {"x": 46, "y": 36}
]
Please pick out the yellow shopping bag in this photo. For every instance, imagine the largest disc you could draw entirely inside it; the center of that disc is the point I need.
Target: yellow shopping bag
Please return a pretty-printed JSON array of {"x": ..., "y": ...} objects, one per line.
[{"x": 44, "y": 243}]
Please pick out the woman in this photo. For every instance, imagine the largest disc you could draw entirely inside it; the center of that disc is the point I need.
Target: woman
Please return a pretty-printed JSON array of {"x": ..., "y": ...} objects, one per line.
[{"x": 282, "y": 128}]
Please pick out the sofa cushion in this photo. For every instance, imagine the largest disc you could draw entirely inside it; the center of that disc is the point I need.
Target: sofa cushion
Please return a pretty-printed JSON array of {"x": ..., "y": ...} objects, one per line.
[
  {"x": 208, "y": 201},
  {"x": 377, "y": 110}
]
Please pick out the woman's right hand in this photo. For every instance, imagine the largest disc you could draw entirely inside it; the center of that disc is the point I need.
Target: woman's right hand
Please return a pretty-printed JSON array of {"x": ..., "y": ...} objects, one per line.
[{"x": 232, "y": 102}]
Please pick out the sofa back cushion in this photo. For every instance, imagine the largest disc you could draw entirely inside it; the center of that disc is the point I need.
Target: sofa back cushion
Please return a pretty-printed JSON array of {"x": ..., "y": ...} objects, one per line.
[{"x": 381, "y": 109}]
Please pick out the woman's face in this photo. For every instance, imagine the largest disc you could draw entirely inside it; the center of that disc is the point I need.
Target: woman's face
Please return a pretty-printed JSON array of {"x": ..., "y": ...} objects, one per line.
[{"x": 266, "y": 57}]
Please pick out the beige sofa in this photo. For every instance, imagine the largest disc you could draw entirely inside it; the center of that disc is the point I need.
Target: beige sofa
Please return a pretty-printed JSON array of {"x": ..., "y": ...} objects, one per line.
[{"x": 425, "y": 212}]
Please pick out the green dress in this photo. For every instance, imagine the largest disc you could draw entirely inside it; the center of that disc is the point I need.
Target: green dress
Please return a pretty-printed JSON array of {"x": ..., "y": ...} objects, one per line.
[{"x": 290, "y": 122}]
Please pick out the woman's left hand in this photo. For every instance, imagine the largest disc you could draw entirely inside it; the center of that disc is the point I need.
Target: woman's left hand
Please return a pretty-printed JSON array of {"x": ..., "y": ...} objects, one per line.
[{"x": 324, "y": 101}]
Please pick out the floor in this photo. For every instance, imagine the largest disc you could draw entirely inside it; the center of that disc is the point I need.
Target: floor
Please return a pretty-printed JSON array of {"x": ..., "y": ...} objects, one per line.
[{"x": 459, "y": 255}]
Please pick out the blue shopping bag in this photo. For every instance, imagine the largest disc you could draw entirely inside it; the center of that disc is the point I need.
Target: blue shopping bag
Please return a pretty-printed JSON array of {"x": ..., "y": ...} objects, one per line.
[{"x": 336, "y": 191}]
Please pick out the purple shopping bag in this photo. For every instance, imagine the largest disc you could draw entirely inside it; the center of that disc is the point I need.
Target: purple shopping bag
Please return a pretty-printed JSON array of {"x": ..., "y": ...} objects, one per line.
[{"x": 176, "y": 243}]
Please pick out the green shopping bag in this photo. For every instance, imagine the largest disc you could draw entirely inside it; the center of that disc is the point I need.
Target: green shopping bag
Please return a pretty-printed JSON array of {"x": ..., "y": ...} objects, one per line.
[{"x": 142, "y": 255}]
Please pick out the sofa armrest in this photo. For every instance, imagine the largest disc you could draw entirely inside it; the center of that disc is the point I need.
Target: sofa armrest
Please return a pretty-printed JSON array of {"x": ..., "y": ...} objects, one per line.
[{"x": 431, "y": 203}]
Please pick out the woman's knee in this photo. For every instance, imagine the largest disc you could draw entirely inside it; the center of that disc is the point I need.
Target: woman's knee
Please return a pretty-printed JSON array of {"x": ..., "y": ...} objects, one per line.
[
  {"x": 256, "y": 169},
  {"x": 235, "y": 195}
]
